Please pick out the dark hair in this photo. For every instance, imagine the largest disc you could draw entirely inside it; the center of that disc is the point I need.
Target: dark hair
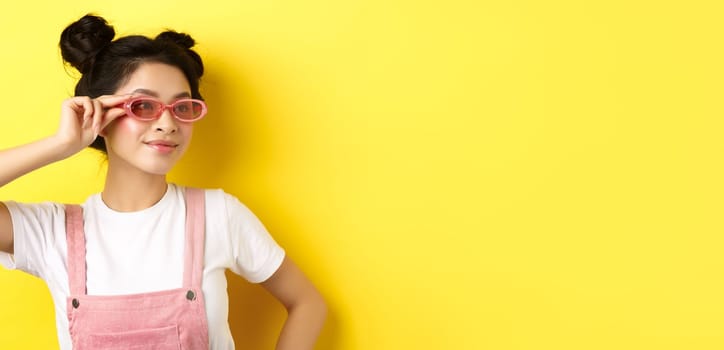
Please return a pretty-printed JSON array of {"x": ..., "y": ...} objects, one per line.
[{"x": 106, "y": 64}]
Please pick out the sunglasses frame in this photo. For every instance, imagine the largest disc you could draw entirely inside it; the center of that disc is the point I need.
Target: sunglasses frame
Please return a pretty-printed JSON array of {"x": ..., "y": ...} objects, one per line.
[{"x": 127, "y": 106}]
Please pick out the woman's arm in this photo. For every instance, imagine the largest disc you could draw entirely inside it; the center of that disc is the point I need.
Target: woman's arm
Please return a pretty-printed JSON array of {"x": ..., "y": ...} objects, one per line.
[
  {"x": 305, "y": 306},
  {"x": 6, "y": 230},
  {"x": 81, "y": 120},
  {"x": 16, "y": 162}
]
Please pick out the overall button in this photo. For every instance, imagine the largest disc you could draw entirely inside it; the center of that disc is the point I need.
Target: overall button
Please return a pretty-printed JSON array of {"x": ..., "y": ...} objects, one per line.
[
  {"x": 76, "y": 303},
  {"x": 190, "y": 295}
]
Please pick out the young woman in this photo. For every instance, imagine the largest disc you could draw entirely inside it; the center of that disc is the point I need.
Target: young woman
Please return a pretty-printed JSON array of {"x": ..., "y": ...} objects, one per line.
[{"x": 141, "y": 264}]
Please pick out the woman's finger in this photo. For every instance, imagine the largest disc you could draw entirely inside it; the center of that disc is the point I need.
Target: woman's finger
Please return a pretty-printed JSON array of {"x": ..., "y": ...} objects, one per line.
[
  {"x": 97, "y": 114},
  {"x": 109, "y": 116},
  {"x": 86, "y": 105},
  {"x": 109, "y": 101}
]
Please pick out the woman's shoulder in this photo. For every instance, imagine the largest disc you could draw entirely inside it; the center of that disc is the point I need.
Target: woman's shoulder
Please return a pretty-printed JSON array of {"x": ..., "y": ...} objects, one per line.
[
  {"x": 217, "y": 197},
  {"x": 46, "y": 208},
  {"x": 210, "y": 192},
  {"x": 182, "y": 187},
  {"x": 221, "y": 201}
]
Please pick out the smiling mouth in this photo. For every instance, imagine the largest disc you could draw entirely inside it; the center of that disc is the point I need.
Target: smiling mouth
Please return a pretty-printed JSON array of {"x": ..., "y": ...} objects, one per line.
[{"x": 162, "y": 147}]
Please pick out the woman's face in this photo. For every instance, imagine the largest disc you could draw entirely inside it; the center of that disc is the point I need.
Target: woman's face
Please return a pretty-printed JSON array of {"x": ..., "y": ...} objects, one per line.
[{"x": 154, "y": 146}]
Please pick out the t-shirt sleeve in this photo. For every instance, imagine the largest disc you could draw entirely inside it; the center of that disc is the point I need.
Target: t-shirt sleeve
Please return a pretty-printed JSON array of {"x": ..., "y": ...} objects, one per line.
[
  {"x": 255, "y": 253},
  {"x": 7, "y": 261},
  {"x": 36, "y": 228}
]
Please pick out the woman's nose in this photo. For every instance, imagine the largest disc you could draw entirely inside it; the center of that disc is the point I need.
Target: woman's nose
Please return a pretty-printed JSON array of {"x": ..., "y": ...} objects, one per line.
[{"x": 166, "y": 122}]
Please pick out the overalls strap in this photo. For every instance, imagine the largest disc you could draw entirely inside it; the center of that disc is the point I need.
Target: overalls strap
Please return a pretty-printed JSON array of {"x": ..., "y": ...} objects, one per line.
[
  {"x": 75, "y": 237},
  {"x": 193, "y": 248},
  {"x": 195, "y": 232}
]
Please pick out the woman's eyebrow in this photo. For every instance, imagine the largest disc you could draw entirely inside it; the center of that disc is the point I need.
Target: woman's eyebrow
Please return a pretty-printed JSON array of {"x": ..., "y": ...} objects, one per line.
[
  {"x": 145, "y": 92},
  {"x": 155, "y": 94}
]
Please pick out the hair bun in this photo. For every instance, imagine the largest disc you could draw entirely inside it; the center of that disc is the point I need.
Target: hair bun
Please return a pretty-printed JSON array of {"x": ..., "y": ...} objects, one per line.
[
  {"x": 186, "y": 42},
  {"x": 181, "y": 39},
  {"x": 83, "y": 39}
]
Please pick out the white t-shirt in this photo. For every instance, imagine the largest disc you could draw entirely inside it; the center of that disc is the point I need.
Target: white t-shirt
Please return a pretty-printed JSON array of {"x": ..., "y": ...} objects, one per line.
[{"x": 139, "y": 252}]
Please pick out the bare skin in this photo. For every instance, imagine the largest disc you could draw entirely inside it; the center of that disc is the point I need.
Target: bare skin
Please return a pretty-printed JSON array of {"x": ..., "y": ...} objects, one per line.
[{"x": 136, "y": 177}]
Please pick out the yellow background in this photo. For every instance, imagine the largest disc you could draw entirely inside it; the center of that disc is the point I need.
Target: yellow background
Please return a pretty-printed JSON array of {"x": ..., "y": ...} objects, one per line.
[{"x": 452, "y": 174}]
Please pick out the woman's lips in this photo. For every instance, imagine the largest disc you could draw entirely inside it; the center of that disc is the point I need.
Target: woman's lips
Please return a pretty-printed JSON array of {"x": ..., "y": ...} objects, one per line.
[{"x": 162, "y": 146}]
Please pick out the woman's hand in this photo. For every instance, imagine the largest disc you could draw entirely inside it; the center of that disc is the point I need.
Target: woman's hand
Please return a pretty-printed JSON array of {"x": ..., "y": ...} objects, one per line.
[{"x": 82, "y": 119}]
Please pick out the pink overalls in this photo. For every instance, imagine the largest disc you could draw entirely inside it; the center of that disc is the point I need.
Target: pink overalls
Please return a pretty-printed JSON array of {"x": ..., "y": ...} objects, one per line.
[{"x": 170, "y": 319}]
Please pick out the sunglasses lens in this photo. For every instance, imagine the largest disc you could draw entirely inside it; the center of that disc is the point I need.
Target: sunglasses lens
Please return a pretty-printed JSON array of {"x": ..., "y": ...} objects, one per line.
[
  {"x": 145, "y": 109},
  {"x": 188, "y": 109}
]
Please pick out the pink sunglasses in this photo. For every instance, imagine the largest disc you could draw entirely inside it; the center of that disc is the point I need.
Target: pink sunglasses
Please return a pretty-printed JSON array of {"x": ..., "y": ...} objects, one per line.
[{"x": 147, "y": 109}]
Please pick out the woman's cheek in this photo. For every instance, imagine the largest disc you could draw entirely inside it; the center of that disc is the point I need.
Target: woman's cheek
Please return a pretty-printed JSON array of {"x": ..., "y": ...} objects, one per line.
[
  {"x": 122, "y": 128},
  {"x": 127, "y": 126},
  {"x": 187, "y": 131}
]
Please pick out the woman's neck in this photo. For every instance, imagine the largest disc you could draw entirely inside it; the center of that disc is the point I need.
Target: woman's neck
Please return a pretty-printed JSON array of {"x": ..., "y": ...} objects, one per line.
[{"x": 133, "y": 191}]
